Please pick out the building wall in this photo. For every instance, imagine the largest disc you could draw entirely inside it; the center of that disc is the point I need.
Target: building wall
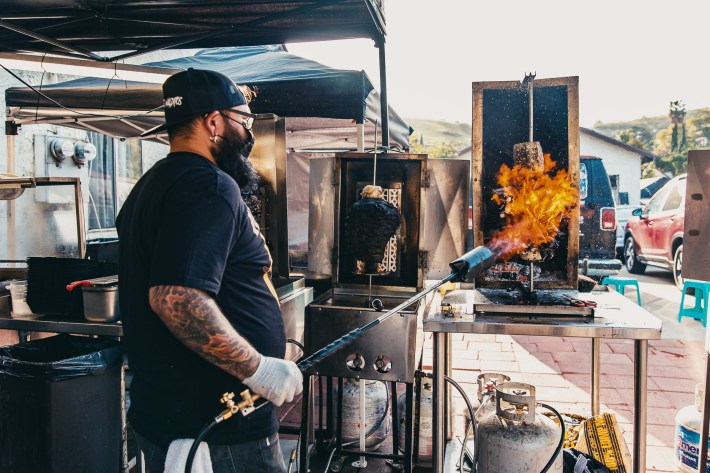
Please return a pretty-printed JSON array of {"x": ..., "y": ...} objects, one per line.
[{"x": 625, "y": 164}]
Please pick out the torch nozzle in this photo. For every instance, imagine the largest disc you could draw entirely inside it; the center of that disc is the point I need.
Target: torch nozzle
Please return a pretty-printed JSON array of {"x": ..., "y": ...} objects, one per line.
[{"x": 473, "y": 263}]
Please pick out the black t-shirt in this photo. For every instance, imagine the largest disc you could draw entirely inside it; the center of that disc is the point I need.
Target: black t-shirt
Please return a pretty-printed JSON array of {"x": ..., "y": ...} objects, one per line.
[{"x": 185, "y": 224}]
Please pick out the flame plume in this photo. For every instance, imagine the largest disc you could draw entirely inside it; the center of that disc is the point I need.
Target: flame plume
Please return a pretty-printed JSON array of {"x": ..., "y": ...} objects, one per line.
[{"x": 535, "y": 205}]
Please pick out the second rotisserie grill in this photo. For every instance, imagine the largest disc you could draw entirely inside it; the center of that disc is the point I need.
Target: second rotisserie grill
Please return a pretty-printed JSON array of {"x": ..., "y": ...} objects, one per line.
[{"x": 430, "y": 197}]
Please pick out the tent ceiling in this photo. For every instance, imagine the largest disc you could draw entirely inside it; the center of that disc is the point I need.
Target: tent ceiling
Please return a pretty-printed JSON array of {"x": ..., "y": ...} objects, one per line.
[
  {"x": 327, "y": 99},
  {"x": 81, "y": 28}
]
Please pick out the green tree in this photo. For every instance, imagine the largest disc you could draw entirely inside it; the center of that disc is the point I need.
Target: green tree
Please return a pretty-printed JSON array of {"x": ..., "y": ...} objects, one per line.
[
  {"x": 671, "y": 144},
  {"x": 677, "y": 115},
  {"x": 636, "y": 136},
  {"x": 444, "y": 150},
  {"x": 699, "y": 129}
]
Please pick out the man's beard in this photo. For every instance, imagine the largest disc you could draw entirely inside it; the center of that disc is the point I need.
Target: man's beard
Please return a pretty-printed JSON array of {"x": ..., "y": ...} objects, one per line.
[{"x": 232, "y": 155}]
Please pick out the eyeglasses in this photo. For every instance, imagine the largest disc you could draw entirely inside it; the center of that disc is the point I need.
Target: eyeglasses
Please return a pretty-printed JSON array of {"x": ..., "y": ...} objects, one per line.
[{"x": 247, "y": 123}]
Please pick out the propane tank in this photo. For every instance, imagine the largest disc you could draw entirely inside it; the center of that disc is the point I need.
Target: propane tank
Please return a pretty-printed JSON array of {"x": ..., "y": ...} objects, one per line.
[
  {"x": 376, "y": 409},
  {"x": 487, "y": 383},
  {"x": 423, "y": 426},
  {"x": 688, "y": 426},
  {"x": 515, "y": 438}
]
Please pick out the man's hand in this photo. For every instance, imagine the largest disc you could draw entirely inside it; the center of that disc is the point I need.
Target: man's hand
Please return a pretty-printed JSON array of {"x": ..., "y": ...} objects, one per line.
[{"x": 276, "y": 380}]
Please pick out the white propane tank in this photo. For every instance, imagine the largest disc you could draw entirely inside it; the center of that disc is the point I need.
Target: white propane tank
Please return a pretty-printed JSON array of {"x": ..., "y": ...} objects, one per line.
[
  {"x": 376, "y": 406},
  {"x": 688, "y": 424},
  {"x": 487, "y": 383},
  {"x": 514, "y": 438},
  {"x": 424, "y": 427}
]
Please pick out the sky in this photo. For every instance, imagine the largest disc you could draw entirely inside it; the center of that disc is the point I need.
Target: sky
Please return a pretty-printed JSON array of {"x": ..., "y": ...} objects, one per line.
[{"x": 632, "y": 57}]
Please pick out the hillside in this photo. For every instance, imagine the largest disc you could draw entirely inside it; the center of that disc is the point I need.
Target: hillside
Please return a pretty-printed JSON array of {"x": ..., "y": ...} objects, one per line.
[
  {"x": 651, "y": 124},
  {"x": 437, "y": 132}
]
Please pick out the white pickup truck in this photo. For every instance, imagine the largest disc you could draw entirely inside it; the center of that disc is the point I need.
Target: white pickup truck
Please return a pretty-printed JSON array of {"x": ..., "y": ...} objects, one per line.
[{"x": 623, "y": 214}]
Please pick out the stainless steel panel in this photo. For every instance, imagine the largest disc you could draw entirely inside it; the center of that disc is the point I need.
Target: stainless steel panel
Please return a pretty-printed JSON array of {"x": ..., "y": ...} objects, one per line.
[
  {"x": 321, "y": 216},
  {"x": 696, "y": 236},
  {"x": 441, "y": 222},
  {"x": 333, "y": 315},
  {"x": 45, "y": 219},
  {"x": 293, "y": 307},
  {"x": 445, "y": 216},
  {"x": 269, "y": 160}
]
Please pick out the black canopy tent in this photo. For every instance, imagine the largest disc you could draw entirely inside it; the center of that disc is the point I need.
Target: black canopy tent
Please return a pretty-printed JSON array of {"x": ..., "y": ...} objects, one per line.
[
  {"x": 88, "y": 29},
  {"x": 288, "y": 85},
  {"x": 82, "y": 28}
]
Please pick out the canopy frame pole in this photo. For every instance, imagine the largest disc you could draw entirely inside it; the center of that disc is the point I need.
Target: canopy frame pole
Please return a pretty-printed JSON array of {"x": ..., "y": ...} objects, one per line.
[
  {"x": 360, "y": 137},
  {"x": 53, "y": 42},
  {"x": 380, "y": 44}
]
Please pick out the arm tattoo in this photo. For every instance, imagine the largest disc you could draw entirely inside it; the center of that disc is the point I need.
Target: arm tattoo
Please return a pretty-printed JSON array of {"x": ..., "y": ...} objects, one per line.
[{"x": 196, "y": 320}]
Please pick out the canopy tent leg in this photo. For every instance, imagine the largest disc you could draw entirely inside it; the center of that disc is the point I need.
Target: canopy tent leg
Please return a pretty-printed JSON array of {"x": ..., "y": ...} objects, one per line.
[{"x": 384, "y": 109}]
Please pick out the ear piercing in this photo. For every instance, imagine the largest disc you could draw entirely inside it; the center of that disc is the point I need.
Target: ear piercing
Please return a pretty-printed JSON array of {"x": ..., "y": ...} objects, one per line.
[{"x": 213, "y": 139}]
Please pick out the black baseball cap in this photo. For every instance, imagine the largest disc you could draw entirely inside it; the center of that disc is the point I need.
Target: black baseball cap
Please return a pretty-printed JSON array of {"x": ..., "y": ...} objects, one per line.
[{"x": 193, "y": 92}]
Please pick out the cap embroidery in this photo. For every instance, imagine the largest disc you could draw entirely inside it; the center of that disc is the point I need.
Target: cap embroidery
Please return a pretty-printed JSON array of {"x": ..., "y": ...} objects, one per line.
[{"x": 171, "y": 102}]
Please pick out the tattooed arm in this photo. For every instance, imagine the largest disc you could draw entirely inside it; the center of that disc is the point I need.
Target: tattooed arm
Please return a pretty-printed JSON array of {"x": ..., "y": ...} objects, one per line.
[{"x": 195, "y": 319}]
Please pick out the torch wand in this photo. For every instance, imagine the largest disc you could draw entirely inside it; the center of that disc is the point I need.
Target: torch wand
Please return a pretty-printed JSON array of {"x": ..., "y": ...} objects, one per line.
[{"x": 465, "y": 268}]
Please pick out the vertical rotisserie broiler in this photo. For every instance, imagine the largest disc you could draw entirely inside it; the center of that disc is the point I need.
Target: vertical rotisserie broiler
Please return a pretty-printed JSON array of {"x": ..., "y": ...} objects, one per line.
[{"x": 525, "y": 165}]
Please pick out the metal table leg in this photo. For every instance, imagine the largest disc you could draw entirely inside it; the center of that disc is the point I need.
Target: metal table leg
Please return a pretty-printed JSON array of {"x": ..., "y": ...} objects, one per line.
[
  {"x": 640, "y": 404},
  {"x": 438, "y": 402},
  {"x": 596, "y": 376},
  {"x": 124, "y": 426},
  {"x": 706, "y": 410},
  {"x": 303, "y": 454}
]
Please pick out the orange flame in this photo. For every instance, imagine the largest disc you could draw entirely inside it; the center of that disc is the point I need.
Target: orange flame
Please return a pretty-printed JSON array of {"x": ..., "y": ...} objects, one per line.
[{"x": 536, "y": 203}]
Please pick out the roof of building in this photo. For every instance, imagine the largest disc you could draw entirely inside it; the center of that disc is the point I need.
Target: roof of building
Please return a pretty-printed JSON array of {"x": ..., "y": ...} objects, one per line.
[{"x": 646, "y": 156}]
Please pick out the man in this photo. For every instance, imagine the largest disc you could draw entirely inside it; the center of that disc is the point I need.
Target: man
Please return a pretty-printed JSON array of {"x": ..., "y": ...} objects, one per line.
[{"x": 200, "y": 315}]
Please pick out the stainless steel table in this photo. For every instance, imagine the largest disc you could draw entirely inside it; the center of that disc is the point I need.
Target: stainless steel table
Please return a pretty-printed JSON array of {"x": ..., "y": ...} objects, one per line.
[
  {"x": 615, "y": 317},
  {"x": 42, "y": 323}
]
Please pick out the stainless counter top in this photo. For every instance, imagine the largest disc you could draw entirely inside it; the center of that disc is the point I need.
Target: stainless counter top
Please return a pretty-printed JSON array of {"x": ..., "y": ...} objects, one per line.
[
  {"x": 45, "y": 324},
  {"x": 614, "y": 317}
]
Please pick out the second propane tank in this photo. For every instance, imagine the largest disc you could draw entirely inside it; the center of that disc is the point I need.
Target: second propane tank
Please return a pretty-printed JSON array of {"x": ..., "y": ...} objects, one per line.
[
  {"x": 515, "y": 438},
  {"x": 376, "y": 412},
  {"x": 423, "y": 426}
]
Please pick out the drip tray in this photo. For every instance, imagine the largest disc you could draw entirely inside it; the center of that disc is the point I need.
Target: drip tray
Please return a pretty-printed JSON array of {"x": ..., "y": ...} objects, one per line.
[{"x": 544, "y": 302}]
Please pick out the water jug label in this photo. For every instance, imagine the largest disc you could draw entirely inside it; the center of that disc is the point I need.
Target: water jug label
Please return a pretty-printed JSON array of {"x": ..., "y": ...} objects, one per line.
[{"x": 688, "y": 447}]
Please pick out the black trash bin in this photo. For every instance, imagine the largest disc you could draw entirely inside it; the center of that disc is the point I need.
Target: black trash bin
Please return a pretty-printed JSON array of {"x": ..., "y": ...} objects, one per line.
[{"x": 60, "y": 406}]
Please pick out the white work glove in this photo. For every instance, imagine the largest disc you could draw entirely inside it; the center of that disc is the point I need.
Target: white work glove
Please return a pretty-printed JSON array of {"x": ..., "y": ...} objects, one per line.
[{"x": 276, "y": 380}]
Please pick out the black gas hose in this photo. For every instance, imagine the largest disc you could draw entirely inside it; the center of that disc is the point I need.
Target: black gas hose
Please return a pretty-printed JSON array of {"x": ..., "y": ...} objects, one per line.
[
  {"x": 558, "y": 450},
  {"x": 193, "y": 449},
  {"x": 469, "y": 406}
]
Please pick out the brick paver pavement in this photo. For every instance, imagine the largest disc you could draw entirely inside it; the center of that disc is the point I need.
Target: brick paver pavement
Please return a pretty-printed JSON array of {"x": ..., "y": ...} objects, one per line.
[{"x": 560, "y": 369}]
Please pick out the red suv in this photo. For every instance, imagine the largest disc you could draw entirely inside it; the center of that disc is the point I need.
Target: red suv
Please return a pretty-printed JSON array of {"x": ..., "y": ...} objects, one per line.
[{"x": 654, "y": 234}]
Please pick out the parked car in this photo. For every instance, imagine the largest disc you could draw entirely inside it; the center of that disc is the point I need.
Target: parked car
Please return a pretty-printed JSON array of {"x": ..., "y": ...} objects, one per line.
[
  {"x": 654, "y": 235},
  {"x": 623, "y": 214},
  {"x": 597, "y": 221}
]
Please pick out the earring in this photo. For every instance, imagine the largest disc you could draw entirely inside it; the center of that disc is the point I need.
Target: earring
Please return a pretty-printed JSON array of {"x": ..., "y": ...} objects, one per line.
[{"x": 213, "y": 139}]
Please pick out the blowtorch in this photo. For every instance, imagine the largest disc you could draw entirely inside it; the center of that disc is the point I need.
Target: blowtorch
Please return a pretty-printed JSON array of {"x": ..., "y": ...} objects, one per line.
[{"x": 464, "y": 269}]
